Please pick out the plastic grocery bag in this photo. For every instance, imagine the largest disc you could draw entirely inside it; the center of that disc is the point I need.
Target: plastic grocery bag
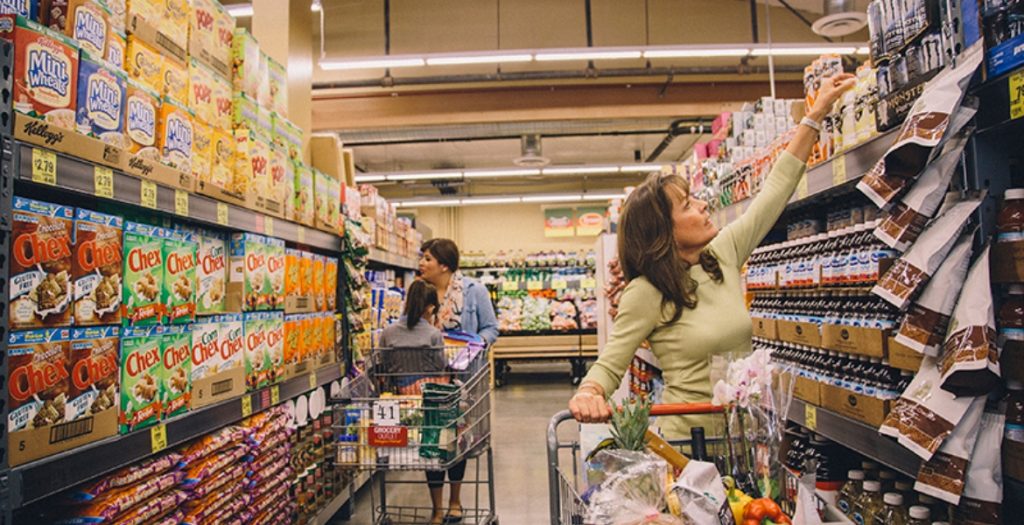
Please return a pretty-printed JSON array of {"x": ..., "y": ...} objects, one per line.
[
  {"x": 701, "y": 494},
  {"x": 806, "y": 508},
  {"x": 632, "y": 491}
]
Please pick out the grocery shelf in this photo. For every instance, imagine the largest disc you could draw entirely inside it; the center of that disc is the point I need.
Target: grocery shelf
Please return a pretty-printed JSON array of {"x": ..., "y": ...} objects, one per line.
[
  {"x": 382, "y": 257},
  {"x": 531, "y": 333},
  {"x": 324, "y": 516},
  {"x": 36, "y": 480},
  {"x": 547, "y": 284},
  {"x": 78, "y": 177},
  {"x": 856, "y": 436}
]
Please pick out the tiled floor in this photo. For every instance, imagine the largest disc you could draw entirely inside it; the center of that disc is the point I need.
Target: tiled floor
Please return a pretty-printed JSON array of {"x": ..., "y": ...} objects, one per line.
[{"x": 521, "y": 411}]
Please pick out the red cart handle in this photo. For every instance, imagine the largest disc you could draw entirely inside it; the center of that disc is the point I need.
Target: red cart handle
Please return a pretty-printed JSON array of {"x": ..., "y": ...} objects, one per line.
[{"x": 683, "y": 409}]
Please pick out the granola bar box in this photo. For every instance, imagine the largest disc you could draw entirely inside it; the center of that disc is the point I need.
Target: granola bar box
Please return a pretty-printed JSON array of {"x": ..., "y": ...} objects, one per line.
[
  {"x": 176, "y": 372},
  {"x": 40, "y": 274},
  {"x": 39, "y": 381},
  {"x": 96, "y": 268},
  {"x": 179, "y": 281},
  {"x": 95, "y": 371},
  {"x": 45, "y": 71},
  {"x": 143, "y": 274},
  {"x": 141, "y": 369}
]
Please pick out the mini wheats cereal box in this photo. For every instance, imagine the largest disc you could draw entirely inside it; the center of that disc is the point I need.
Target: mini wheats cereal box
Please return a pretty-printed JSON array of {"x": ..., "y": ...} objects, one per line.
[
  {"x": 141, "y": 370},
  {"x": 211, "y": 273},
  {"x": 174, "y": 135},
  {"x": 26, "y": 8},
  {"x": 330, "y": 283},
  {"x": 200, "y": 93},
  {"x": 40, "y": 278},
  {"x": 89, "y": 25},
  {"x": 303, "y": 201},
  {"x": 39, "y": 382},
  {"x": 257, "y": 360},
  {"x": 206, "y": 347},
  {"x": 144, "y": 64},
  {"x": 179, "y": 286},
  {"x": 117, "y": 50},
  {"x": 45, "y": 71},
  {"x": 96, "y": 268},
  {"x": 248, "y": 265},
  {"x": 143, "y": 274},
  {"x": 176, "y": 373},
  {"x": 95, "y": 371},
  {"x": 232, "y": 342},
  {"x": 101, "y": 96},
  {"x": 273, "y": 285},
  {"x": 274, "y": 328},
  {"x": 142, "y": 107}
]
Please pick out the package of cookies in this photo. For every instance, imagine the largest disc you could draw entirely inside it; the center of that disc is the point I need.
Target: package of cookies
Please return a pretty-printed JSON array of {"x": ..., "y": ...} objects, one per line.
[
  {"x": 273, "y": 327},
  {"x": 45, "y": 71},
  {"x": 273, "y": 284},
  {"x": 179, "y": 283},
  {"x": 143, "y": 274},
  {"x": 200, "y": 92},
  {"x": 144, "y": 64},
  {"x": 40, "y": 274},
  {"x": 95, "y": 370},
  {"x": 40, "y": 381},
  {"x": 223, "y": 102},
  {"x": 222, "y": 164},
  {"x": 142, "y": 107},
  {"x": 232, "y": 341},
  {"x": 88, "y": 24},
  {"x": 117, "y": 49},
  {"x": 211, "y": 273},
  {"x": 277, "y": 84},
  {"x": 205, "y": 348},
  {"x": 317, "y": 276},
  {"x": 141, "y": 368},
  {"x": 245, "y": 63},
  {"x": 176, "y": 372},
  {"x": 96, "y": 268},
  {"x": 174, "y": 134},
  {"x": 175, "y": 80},
  {"x": 330, "y": 283},
  {"x": 302, "y": 200},
  {"x": 256, "y": 356},
  {"x": 101, "y": 100}
]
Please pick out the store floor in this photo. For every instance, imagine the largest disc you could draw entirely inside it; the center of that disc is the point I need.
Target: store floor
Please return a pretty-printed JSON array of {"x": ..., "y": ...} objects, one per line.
[{"x": 521, "y": 411}]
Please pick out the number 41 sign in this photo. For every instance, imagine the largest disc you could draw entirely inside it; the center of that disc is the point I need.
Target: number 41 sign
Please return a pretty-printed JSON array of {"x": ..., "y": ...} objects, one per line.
[{"x": 385, "y": 413}]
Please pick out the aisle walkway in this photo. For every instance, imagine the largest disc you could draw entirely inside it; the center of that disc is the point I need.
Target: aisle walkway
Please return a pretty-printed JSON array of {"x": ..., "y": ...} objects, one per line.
[{"x": 521, "y": 411}]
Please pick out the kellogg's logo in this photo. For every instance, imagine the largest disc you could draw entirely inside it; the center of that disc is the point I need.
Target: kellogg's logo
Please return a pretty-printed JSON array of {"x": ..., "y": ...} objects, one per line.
[
  {"x": 142, "y": 118},
  {"x": 179, "y": 135},
  {"x": 49, "y": 71},
  {"x": 90, "y": 29},
  {"x": 103, "y": 103},
  {"x": 139, "y": 362}
]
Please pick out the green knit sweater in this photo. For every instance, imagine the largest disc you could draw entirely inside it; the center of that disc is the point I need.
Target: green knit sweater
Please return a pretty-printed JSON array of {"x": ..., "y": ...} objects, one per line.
[{"x": 720, "y": 323}]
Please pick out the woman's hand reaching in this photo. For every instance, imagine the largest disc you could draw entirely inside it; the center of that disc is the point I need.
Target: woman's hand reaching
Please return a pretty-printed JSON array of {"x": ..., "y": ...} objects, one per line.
[
  {"x": 831, "y": 89},
  {"x": 589, "y": 406}
]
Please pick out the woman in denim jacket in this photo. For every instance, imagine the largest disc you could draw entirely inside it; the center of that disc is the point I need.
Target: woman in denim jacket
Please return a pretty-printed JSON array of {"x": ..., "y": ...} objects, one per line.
[{"x": 465, "y": 306}]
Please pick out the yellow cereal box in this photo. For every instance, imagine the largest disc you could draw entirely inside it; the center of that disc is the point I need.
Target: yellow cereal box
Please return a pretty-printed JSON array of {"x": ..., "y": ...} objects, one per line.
[
  {"x": 252, "y": 160},
  {"x": 144, "y": 64},
  {"x": 89, "y": 25},
  {"x": 277, "y": 78},
  {"x": 317, "y": 274},
  {"x": 245, "y": 64},
  {"x": 222, "y": 102},
  {"x": 200, "y": 93},
  {"x": 306, "y": 273},
  {"x": 118, "y": 12},
  {"x": 244, "y": 111},
  {"x": 175, "y": 23},
  {"x": 142, "y": 106},
  {"x": 202, "y": 150},
  {"x": 302, "y": 203},
  {"x": 263, "y": 85},
  {"x": 174, "y": 135},
  {"x": 331, "y": 283},
  {"x": 150, "y": 10},
  {"x": 175, "y": 79},
  {"x": 117, "y": 49},
  {"x": 222, "y": 169},
  {"x": 281, "y": 178},
  {"x": 202, "y": 25},
  {"x": 224, "y": 28}
]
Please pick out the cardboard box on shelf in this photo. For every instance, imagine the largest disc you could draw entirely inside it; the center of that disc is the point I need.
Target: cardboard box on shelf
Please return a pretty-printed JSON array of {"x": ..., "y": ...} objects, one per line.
[
  {"x": 858, "y": 340},
  {"x": 800, "y": 333},
  {"x": 176, "y": 370},
  {"x": 217, "y": 373},
  {"x": 273, "y": 284},
  {"x": 223, "y": 102},
  {"x": 101, "y": 100},
  {"x": 249, "y": 282},
  {"x": 145, "y": 64},
  {"x": 252, "y": 160},
  {"x": 207, "y": 19},
  {"x": 96, "y": 268},
  {"x": 326, "y": 153},
  {"x": 303, "y": 203},
  {"x": 175, "y": 25},
  {"x": 902, "y": 357},
  {"x": 160, "y": 27},
  {"x": 88, "y": 23},
  {"x": 866, "y": 409},
  {"x": 141, "y": 366},
  {"x": 764, "y": 328},
  {"x": 326, "y": 201},
  {"x": 287, "y": 135},
  {"x": 41, "y": 280}
]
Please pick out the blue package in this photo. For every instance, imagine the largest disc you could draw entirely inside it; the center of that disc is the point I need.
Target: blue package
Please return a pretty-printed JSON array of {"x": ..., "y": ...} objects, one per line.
[
  {"x": 101, "y": 100},
  {"x": 26, "y": 8}
]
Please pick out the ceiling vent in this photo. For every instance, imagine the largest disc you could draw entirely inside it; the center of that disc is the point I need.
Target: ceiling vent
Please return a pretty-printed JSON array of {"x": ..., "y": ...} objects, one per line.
[
  {"x": 531, "y": 156},
  {"x": 841, "y": 18}
]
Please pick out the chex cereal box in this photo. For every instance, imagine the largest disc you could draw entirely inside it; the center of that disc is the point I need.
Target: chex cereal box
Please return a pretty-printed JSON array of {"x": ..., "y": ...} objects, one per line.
[
  {"x": 179, "y": 286},
  {"x": 274, "y": 328},
  {"x": 319, "y": 300},
  {"x": 26, "y": 8},
  {"x": 245, "y": 63},
  {"x": 45, "y": 71},
  {"x": 176, "y": 372},
  {"x": 302, "y": 210},
  {"x": 101, "y": 100},
  {"x": 95, "y": 370},
  {"x": 277, "y": 82},
  {"x": 96, "y": 268},
  {"x": 144, "y": 64},
  {"x": 211, "y": 273},
  {"x": 117, "y": 50},
  {"x": 89, "y": 25},
  {"x": 202, "y": 150},
  {"x": 143, "y": 274},
  {"x": 175, "y": 80},
  {"x": 141, "y": 369},
  {"x": 206, "y": 347},
  {"x": 232, "y": 341},
  {"x": 141, "y": 109},
  {"x": 248, "y": 265},
  {"x": 256, "y": 357},
  {"x": 174, "y": 134},
  {"x": 222, "y": 168},
  {"x": 39, "y": 382},
  {"x": 40, "y": 275},
  {"x": 273, "y": 285},
  {"x": 330, "y": 283},
  {"x": 200, "y": 93}
]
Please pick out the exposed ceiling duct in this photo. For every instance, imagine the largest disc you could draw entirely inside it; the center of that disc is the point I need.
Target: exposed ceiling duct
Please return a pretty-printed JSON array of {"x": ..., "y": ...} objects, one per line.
[
  {"x": 532, "y": 155},
  {"x": 841, "y": 18}
]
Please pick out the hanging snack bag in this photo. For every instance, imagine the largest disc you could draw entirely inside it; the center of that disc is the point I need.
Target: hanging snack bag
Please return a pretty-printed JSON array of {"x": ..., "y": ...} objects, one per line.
[
  {"x": 40, "y": 274},
  {"x": 141, "y": 366},
  {"x": 39, "y": 383},
  {"x": 174, "y": 135},
  {"x": 222, "y": 169},
  {"x": 983, "y": 493},
  {"x": 245, "y": 60},
  {"x": 142, "y": 107},
  {"x": 248, "y": 266},
  {"x": 944, "y": 474},
  {"x": 924, "y": 327},
  {"x": 910, "y": 273},
  {"x": 144, "y": 64},
  {"x": 211, "y": 273},
  {"x": 303, "y": 201},
  {"x": 969, "y": 361},
  {"x": 274, "y": 329},
  {"x": 176, "y": 372},
  {"x": 143, "y": 275},
  {"x": 330, "y": 283},
  {"x": 200, "y": 93},
  {"x": 95, "y": 370},
  {"x": 179, "y": 286},
  {"x": 176, "y": 81},
  {"x": 117, "y": 50},
  {"x": 273, "y": 286},
  {"x": 45, "y": 71},
  {"x": 89, "y": 25},
  {"x": 206, "y": 346},
  {"x": 96, "y": 268},
  {"x": 232, "y": 342}
]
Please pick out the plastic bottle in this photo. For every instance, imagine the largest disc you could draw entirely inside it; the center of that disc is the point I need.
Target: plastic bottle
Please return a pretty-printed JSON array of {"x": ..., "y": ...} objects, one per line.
[
  {"x": 1014, "y": 429},
  {"x": 851, "y": 492},
  {"x": 887, "y": 477},
  {"x": 869, "y": 504},
  {"x": 919, "y": 515},
  {"x": 893, "y": 513},
  {"x": 870, "y": 469},
  {"x": 1010, "y": 221},
  {"x": 1010, "y": 317}
]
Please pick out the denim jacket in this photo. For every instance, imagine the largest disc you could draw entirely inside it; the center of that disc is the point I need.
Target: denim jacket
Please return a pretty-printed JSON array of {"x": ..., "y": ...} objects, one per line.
[{"x": 477, "y": 311}]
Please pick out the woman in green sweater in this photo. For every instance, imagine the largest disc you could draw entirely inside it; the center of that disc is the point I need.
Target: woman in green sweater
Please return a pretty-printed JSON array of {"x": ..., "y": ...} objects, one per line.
[{"x": 685, "y": 294}]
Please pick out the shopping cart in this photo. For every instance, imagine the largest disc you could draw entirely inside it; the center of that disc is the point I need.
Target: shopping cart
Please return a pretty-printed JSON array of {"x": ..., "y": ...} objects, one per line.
[{"x": 419, "y": 409}]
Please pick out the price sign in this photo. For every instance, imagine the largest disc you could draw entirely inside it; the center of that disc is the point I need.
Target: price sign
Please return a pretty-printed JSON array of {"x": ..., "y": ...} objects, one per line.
[
  {"x": 801, "y": 187},
  {"x": 181, "y": 202},
  {"x": 103, "y": 179},
  {"x": 510, "y": 286},
  {"x": 148, "y": 195},
  {"x": 1017, "y": 95},
  {"x": 158, "y": 437},
  {"x": 588, "y": 283},
  {"x": 312, "y": 380},
  {"x": 222, "y": 214},
  {"x": 275, "y": 395},
  {"x": 268, "y": 226},
  {"x": 810, "y": 417},
  {"x": 839, "y": 170},
  {"x": 534, "y": 285},
  {"x": 44, "y": 166},
  {"x": 300, "y": 233},
  {"x": 385, "y": 413},
  {"x": 559, "y": 284},
  {"x": 246, "y": 406}
]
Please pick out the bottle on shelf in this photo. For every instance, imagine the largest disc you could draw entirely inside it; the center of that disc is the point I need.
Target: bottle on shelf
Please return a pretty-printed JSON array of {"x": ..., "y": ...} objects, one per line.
[
  {"x": 893, "y": 513},
  {"x": 851, "y": 492},
  {"x": 869, "y": 504},
  {"x": 919, "y": 515}
]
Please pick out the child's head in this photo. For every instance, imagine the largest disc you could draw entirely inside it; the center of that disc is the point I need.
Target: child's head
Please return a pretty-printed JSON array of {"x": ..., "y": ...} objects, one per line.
[{"x": 420, "y": 302}]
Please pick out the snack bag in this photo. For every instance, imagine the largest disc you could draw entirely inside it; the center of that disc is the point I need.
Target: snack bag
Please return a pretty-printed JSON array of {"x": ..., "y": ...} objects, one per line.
[
  {"x": 142, "y": 107},
  {"x": 982, "y": 502},
  {"x": 143, "y": 275},
  {"x": 45, "y": 71},
  {"x": 222, "y": 169},
  {"x": 277, "y": 83},
  {"x": 96, "y": 268},
  {"x": 232, "y": 341},
  {"x": 330, "y": 283},
  {"x": 40, "y": 382},
  {"x": 144, "y": 64},
  {"x": 319, "y": 300},
  {"x": 245, "y": 62},
  {"x": 202, "y": 150},
  {"x": 95, "y": 370},
  {"x": 273, "y": 285},
  {"x": 174, "y": 135},
  {"x": 200, "y": 93},
  {"x": 41, "y": 265},
  {"x": 211, "y": 273},
  {"x": 248, "y": 265},
  {"x": 256, "y": 355},
  {"x": 89, "y": 25},
  {"x": 176, "y": 81},
  {"x": 969, "y": 361},
  {"x": 274, "y": 329},
  {"x": 176, "y": 372},
  {"x": 206, "y": 347},
  {"x": 117, "y": 49},
  {"x": 141, "y": 366},
  {"x": 943, "y": 475},
  {"x": 101, "y": 100},
  {"x": 303, "y": 205}
]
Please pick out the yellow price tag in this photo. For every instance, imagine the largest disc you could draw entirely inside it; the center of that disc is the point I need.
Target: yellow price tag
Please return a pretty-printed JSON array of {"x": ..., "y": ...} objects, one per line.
[
  {"x": 810, "y": 417},
  {"x": 588, "y": 283},
  {"x": 534, "y": 285},
  {"x": 838, "y": 170},
  {"x": 1016, "y": 95},
  {"x": 44, "y": 166},
  {"x": 158, "y": 437},
  {"x": 246, "y": 405},
  {"x": 510, "y": 286},
  {"x": 104, "y": 182},
  {"x": 268, "y": 226},
  {"x": 148, "y": 196},
  {"x": 312, "y": 380},
  {"x": 275, "y": 395},
  {"x": 801, "y": 187},
  {"x": 222, "y": 214},
  {"x": 181, "y": 202},
  {"x": 300, "y": 233},
  {"x": 559, "y": 284}
]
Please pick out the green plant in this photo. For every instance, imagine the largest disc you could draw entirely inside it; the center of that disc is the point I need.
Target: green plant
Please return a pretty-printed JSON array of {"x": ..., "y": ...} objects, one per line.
[{"x": 629, "y": 424}]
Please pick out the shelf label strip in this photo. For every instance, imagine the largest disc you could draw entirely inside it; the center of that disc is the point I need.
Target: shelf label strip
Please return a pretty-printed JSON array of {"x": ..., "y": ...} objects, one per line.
[
  {"x": 103, "y": 181},
  {"x": 181, "y": 202},
  {"x": 158, "y": 437},
  {"x": 44, "y": 166},
  {"x": 1016, "y": 81},
  {"x": 147, "y": 197}
]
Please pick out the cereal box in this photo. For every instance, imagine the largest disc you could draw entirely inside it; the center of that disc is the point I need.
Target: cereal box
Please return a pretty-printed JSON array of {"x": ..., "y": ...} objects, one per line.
[
  {"x": 274, "y": 328},
  {"x": 200, "y": 93},
  {"x": 174, "y": 135},
  {"x": 256, "y": 356},
  {"x": 142, "y": 107},
  {"x": 101, "y": 100},
  {"x": 206, "y": 345},
  {"x": 326, "y": 199},
  {"x": 222, "y": 168},
  {"x": 292, "y": 273},
  {"x": 224, "y": 25},
  {"x": 211, "y": 273},
  {"x": 179, "y": 287},
  {"x": 95, "y": 370},
  {"x": 117, "y": 49},
  {"x": 281, "y": 177},
  {"x": 245, "y": 63},
  {"x": 202, "y": 25},
  {"x": 273, "y": 286},
  {"x": 40, "y": 275},
  {"x": 175, "y": 80},
  {"x": 232, "y": 341},
  {"x": 319, "y": 261},
  {"x": 244, "y": 111},
  {"x": 53, "y": 16},
  {"x": 144, "y": 64},
  {"x": 252, "y": 158},
  {"x": 143, "y": 274},
  {"x": 141, "y": 371},
  {"x": 263, "y": 89},
  {"x": 302, "y": 206},
  {"x": 176, "y": 372},
  {"x": 202, "y": 150},
  {"x": 150, "y": 10},
  {"x": 293, "y": 338},
  {"x": 96, "y": 268},
  {"x": 175, "y": 22},
  {"x": 310, "y": 339},
  {"x": 45, "y": 71},
  {"x": 39, "y": 383},
  {"x": 287, "y": 135},
  {"x": 277, "y": 83},
  {"x": 223, "y": 102},
  {"x": 327, "y": 333},
  {"x": 306, "y": 274},
  {"x": 330, "y": 283},
  {"x": 26, "y": 8},
  {"x": 118, "y": 10},
  {"x": 248, "y": 266},
  {"x": 89, "y": 25}
]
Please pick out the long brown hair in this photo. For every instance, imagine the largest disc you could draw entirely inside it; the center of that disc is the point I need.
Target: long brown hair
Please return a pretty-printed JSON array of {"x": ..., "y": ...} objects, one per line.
[
  {"x": 421, "y": 295},
  {"x": 648, "y": 248}
]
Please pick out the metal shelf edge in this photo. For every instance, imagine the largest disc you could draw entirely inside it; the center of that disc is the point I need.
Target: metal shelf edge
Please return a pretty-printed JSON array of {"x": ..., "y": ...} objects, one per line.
[{"x": 382, "y": 257}]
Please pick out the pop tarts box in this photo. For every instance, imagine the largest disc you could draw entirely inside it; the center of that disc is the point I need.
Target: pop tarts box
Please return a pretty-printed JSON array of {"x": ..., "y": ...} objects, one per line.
[{"x": 101, "y": 100}]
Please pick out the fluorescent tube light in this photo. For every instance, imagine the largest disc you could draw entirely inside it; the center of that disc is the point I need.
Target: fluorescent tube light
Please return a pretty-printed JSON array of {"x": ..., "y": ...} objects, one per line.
[
  {"x": 640, "y": 168},
  {"x": 239, "y": 10},
  {"x": 571, "y": 170},
  {"x": 802, "y": 51},
  {"x": 427, "y": 203},
  {"x": 370, "y": 178},
  {"x": 473, "y": 174},
  {"x": 697, "y": 52},
  {"x": 596, "y": 54},
  {"x": 491, "y": 200},
  {"x": 372, "y": 63},
  {"x": 478, "y": 59},
  {"x": 603, "y": 196},
  {"x": 428, "y": 175},
  {"x": 863, "y": 50},
  {"x": 553, "y": 198}
]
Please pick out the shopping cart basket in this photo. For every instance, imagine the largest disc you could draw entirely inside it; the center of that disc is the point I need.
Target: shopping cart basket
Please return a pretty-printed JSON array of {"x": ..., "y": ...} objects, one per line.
[{"x": 419, "y": 409}]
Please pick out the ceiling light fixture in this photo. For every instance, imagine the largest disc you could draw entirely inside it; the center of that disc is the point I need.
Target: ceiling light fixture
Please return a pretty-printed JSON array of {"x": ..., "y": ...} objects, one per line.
[
  {"x": 239, "y": 10},
  {"x": 696, "y": 52},
  {"x": 588, "y": 54},
  {"x": 511, "y": 199},
  {"x": 316, "y": 6},
  {"x": 640, "y": 168},
  {"x": 553, "y": 198},
  {"x": 572, "y": 170},
  {"x": 802, "y": 50},
  {"x": 491, "y": 200},
  {"x": 428, "y": 175},
  {"x": 373, "y": 63},
  {"x": 474, "y": 174},
  {"x": 490, "y": 58},
  {"x": 422, "y": 203},
  {"x": 370, "y": 178},
  {"x": 603, "y": 196}
]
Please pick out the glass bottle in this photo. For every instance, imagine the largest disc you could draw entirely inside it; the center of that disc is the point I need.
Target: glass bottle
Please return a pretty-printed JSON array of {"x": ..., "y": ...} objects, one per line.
[
  {"x": 851, "y": 492},
  {"x": 893, "y": 513},
  {"x": 869, "y": 504},
  {"x": 919, "y": 515}
]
